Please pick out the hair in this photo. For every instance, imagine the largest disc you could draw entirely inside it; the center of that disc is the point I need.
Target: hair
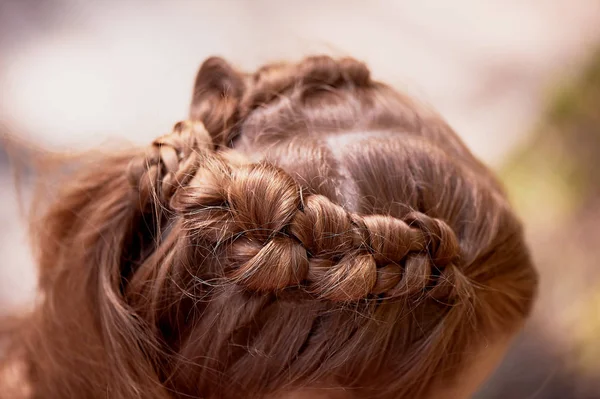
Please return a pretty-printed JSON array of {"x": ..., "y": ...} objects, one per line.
[{"x": 306, "y": 227}]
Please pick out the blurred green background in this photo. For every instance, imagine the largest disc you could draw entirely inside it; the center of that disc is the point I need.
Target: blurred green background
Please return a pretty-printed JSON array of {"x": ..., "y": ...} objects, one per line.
[{"x": 554, "y": 182}]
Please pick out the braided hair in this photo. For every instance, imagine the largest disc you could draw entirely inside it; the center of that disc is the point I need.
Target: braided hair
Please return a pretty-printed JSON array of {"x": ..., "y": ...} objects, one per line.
[
  {"x": 279, "y": 237},
  {"x": 307, "y": 226}
]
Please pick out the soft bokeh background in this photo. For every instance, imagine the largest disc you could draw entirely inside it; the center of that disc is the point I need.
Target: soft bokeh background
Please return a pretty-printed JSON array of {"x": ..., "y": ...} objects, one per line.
[{"x": 519, "y": 80}]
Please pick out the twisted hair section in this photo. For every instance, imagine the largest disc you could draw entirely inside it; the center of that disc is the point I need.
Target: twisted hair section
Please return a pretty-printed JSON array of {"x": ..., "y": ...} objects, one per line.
[
  {"x": 306, "y": 226},
  {"x": 273, "y": 235}
]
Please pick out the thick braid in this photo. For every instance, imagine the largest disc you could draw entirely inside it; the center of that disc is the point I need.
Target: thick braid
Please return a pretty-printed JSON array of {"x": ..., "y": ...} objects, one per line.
[
  {"x": 277, "y": 238},
  {"x": 251, "y": 205}
]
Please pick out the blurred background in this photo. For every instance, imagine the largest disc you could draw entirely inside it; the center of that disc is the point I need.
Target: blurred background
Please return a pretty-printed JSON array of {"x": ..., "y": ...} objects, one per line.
[{"x": 518, "y": 80}]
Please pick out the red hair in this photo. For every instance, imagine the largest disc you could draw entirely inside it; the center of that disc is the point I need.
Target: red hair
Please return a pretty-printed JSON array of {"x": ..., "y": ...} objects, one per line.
[{"x": 307, "y": 227}]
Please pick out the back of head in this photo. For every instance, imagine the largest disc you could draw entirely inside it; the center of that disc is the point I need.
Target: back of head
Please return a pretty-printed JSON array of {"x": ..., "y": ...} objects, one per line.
[{"x": 307, "y": 227}]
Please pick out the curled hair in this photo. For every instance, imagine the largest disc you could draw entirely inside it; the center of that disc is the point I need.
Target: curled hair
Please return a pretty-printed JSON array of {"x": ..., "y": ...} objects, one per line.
[{"x": 306, "y": 227}]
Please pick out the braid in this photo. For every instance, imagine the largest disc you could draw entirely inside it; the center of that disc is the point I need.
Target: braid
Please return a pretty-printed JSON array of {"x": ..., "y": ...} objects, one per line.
[
  {"x": 169, "y": 162},
  {"x": 276, "y": 238},
  {"x": 269, "y": 233},
  {"x": 308, "y": 228}
]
